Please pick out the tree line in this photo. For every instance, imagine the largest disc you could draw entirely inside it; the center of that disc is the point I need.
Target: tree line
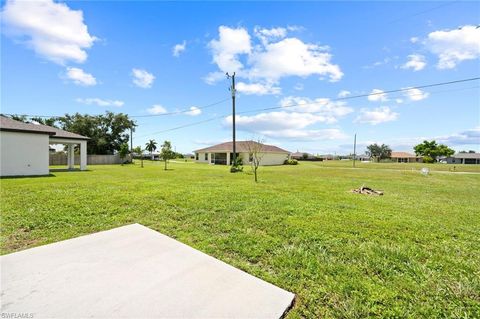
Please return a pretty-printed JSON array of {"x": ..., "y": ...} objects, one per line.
[
  {"x": 430, "y": 151},
  {"x": 107, "y": 132}
]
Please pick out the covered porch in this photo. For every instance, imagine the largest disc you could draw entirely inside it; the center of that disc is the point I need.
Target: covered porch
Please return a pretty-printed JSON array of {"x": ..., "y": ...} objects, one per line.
[
  {"x": 71, "y": 143},
  {"x": 221, "y": 158}
]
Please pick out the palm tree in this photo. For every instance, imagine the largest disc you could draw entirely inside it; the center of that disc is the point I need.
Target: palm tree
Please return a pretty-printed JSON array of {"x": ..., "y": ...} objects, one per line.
[{"x": 151, "y": 146}]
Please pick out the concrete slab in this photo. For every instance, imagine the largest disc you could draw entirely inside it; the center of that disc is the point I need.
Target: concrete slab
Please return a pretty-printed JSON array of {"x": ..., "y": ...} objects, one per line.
[{"x": 132, "y": 272}]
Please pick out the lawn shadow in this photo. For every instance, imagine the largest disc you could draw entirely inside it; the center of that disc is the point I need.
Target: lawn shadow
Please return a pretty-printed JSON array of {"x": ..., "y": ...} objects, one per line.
[{"x": 27, "y": 176}]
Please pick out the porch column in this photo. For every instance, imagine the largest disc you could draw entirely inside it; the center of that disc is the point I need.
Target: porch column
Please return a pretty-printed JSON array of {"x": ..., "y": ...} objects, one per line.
[
  {"x": 70, "y": 156},
  {"x": 228, "y": 158},
  {"x": 83, "y": 155},
  {"x": 209, "y": 158}
]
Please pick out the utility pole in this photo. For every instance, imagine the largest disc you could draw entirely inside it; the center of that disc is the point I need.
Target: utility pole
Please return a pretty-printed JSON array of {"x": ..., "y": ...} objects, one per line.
[
  {"x": 232, "y": 89},
  {"x": 131, "y": 144},
  {"x": 354, "y": 148}
]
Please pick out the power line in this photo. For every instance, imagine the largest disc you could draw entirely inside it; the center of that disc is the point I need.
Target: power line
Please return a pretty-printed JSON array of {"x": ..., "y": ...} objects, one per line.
[
  {"x": 313, "y": 103},
  {"x": 137, "y": 116}
]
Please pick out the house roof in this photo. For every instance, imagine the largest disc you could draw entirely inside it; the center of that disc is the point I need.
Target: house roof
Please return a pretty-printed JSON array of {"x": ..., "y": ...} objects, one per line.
[
  {"x": 467, "y": 155},
  {"x": 402, "y": 155},
  {"x": 8, "y": 124},
  {"x": 241, "y": 146},
  {"x": 300, "y": 154}
]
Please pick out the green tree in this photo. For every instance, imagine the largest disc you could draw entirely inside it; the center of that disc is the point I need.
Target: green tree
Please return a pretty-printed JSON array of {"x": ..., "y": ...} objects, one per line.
[
  {"x": 379, "y": 152},
  {"x": 123, "y": 152},
  {"x": 107, "y": 132},
  {"x": 151, "y": 146},
  {"x": 430, "y": 150},
  {"x": 166, "y": 152},
  {"x": 138, "y": 150}
]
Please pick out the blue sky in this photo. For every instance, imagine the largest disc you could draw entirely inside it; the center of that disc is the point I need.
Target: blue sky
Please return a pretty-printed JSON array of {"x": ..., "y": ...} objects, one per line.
[{"x": 149, "y": 58}]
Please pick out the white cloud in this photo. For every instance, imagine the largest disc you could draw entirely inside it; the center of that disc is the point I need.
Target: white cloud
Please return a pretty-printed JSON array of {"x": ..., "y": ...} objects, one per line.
[
  {"x": 414, "y": 39},
  {"x": 142, "y": 78},
  {"x": 230, "y": 44},
  {"x": 307, "y": 135},
  {"x": 454, "y": 46},
  {"x": 157, "y": 109},
  {"x": 416, "y": 94},
  {"x": 213, "y": 77},
  {"x": 468, "y": 137},
  {"x": 292, "y": 57},
  {"x": 376, "y": 116},
  {"x": 298, "y": 87},
  {"x": 194, "y": 111},
  {"x": 416, "y": 62},
  {"x": 285, "y": 125},
  {"x": 179, "y": 48},
  {"x": 100, "y": 102},
  {"x": 257, "y": 88},
  {"x": 80, "y": 77},
  {"x": 52, "y": 30},
  {"x": 268, "y": 35},
  {"x": 275, "y": 57},
  {"x": 377, "y": 95},
  {"x": 344, "y": 93},
  {"x": 399, "y": 101},
  {"x": 329, "y": 111}
]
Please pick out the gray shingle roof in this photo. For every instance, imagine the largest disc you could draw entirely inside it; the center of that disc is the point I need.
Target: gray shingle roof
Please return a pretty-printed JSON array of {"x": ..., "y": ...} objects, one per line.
[
  {"x": 8, "y": 124},
  {"x": 241, "y": 146}
]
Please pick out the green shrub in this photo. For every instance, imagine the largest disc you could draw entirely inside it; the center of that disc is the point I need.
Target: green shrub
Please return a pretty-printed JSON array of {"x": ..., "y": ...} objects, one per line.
[
  {"x": 427, "y": 159},
  {"x": 290, "y": 162}
]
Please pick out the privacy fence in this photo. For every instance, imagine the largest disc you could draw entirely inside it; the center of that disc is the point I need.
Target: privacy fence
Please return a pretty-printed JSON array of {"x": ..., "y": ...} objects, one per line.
[{"x": 61, "y": 159}]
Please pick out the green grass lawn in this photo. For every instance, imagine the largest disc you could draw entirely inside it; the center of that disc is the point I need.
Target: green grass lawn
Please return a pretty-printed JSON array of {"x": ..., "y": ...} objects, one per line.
[{"x": 414, "y": 252}]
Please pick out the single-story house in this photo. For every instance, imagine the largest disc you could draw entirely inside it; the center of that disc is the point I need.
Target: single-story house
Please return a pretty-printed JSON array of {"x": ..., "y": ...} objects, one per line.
[
  {"x": 223, "y": 153},
  {"x": 301, "y": 155},
  {"x": 464, "y": 158},
  {"x": 25, "y": 147},
  {"x": 404, "y": 157}
]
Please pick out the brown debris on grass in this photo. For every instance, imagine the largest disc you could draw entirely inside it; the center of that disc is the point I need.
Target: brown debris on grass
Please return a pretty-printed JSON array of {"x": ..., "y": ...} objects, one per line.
[{"x": 367, "y": 191}]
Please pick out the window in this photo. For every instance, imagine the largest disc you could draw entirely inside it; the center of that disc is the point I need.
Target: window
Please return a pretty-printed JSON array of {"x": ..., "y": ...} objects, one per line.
[
  {"x": 196, "y": 156},
  {"x": 206, "y": 156}
]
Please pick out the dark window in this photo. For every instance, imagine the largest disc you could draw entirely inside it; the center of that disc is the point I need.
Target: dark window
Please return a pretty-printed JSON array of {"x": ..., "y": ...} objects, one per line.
[
  {"x": 196, "y": 156},
  {"x": 206, "y": 156}
]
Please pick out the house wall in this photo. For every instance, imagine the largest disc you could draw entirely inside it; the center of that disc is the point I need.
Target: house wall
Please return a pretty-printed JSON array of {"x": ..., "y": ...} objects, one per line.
[
  {"x": 201, "y": 158},
  {"x": 267, "y": 158},
  {"x": 23, "y": 153}
]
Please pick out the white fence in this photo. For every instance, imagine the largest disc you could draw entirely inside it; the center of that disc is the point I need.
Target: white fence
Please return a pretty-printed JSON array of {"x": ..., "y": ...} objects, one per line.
[{"x": 61, "y": 159}]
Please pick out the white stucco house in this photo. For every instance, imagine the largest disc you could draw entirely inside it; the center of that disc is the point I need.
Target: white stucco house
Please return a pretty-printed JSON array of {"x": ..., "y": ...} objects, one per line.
[
  {"x": 223, "y": 153},
  {"x": 24, "y": 147}
]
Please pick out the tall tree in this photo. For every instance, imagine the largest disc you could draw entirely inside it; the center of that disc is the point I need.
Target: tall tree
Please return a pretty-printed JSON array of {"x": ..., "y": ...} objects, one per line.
[
  {"x": 430, "y": 151},
  {"x": 151, "y": 146},
  {"x": 379, "y": 152},
  {"x": 166, "y": 153}
]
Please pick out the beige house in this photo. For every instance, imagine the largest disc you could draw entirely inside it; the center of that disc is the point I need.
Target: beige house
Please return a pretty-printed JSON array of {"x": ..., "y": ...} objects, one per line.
[
  {"x": 404, "y": 157},
  {"x": 222, "y": 154}
]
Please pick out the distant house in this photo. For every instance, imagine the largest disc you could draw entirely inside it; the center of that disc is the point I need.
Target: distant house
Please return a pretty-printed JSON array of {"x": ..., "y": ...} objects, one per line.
[
  {"x": 302, "y": 155},
  {"x": 464, "y": 158},
  {"x": 25, "y": 147},
  {"x": 404, "y": 157},
  {"x": 222, "y": 154}
]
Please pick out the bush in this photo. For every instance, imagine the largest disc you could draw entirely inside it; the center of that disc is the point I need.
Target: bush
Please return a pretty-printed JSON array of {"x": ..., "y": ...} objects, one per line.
[
  {"x": 427, "y": 159},
  {"x": 290, "y": 162},
  {"x": 235, "y": 169}
]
